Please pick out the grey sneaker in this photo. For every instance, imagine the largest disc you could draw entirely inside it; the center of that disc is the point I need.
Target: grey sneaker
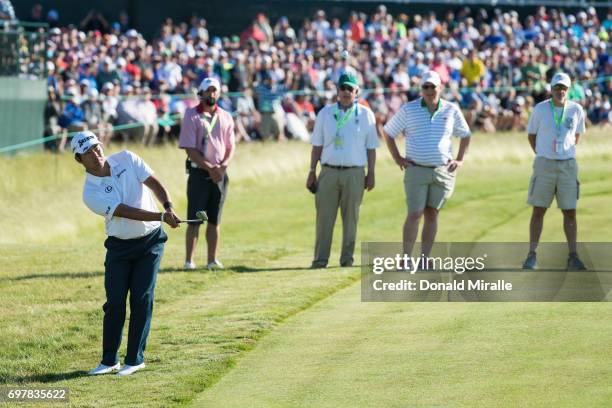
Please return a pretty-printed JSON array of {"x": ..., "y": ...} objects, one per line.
[
  {"x": 575, "y": 264},
  {"x": 530, "y": 261}
]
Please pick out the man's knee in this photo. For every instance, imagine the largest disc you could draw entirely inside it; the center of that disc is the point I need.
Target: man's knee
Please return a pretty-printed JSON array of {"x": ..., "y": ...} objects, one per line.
[
  {"x": 569, "y": 214},
  {"x": 538, "y": 212},
  {"x": 414, "y": 216},
  {"x": 193, "y": 229},
  {"x": 431, "y": 213},
  {"x": 114, "y": 305}
]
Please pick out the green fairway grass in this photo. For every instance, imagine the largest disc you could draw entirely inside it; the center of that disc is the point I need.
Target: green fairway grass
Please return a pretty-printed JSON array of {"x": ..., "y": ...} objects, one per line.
[
  {"x": 204, "y": 348},
  {"x": 346, "y": 353}
]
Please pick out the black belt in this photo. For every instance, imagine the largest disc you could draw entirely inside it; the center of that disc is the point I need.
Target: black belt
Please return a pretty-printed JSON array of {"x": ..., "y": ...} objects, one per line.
[
  {"x": 340, "y": 167},
  {"x": 422, "y": 165}
]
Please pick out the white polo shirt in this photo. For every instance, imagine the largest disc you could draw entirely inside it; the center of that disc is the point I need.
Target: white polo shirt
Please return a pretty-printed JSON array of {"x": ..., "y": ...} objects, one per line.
[
  {"x": 347, "y": 146},
  {"x": 542, "y": 124},
  {"x": 124, "y": 186},
  {"x": 428, "y": 137}
]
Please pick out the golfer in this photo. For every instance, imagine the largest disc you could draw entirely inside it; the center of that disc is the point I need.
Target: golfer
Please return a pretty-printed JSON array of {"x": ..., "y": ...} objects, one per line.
[
  {"x": 207, "y": 135},
  {"x": 344, "y": 140},
  {"x": 554, "y": 129},
  {"x": 430, "y": 170},
  {"x": 120, "y": 188}
]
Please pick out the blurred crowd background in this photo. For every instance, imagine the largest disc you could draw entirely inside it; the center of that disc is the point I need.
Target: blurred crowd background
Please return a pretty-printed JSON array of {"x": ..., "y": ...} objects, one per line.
[{"x": 276, "y": 75}]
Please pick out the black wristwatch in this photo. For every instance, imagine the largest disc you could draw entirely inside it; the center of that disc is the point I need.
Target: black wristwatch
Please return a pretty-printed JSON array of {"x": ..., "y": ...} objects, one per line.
[{"x": 167, "y": 205}]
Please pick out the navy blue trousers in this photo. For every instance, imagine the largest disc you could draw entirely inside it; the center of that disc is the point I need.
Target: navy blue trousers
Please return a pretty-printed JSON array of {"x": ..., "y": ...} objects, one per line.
[{"x": 131, "y": 265}]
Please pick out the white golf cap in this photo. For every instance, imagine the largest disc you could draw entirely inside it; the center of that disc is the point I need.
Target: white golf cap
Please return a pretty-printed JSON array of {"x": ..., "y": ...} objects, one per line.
[
  {"x": 108, "y": 86},
  {"x": 208, "y": 82},
  {"x": 561, "y": 78},
  {"x": 432, "y": 77},
  {"x": 83, "y": 141}
]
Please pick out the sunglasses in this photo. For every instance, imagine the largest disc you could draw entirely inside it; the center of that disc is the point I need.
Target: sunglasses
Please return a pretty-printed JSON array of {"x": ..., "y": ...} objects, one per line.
[
  {"x": 428, "y": 87},
  {"x": 346, "y": 88}
]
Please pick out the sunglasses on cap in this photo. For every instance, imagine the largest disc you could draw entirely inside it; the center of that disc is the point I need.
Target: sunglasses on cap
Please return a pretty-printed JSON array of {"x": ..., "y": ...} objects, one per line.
[
  {"x": 346, "y": 88},
  {"x": 428, "y": 86}
]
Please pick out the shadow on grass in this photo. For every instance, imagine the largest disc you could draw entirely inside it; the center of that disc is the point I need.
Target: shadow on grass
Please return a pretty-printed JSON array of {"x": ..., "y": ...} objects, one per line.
[
  {"x": 65, "y": 275},
  {"x": 250, "y": 269},
  {"x": 48, "y": 378},
  {"x": 95, "y": 274}
]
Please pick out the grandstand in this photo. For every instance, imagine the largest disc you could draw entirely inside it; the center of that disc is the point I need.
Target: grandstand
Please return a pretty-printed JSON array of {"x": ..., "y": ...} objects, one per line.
[{"x": 103, "y": 73}]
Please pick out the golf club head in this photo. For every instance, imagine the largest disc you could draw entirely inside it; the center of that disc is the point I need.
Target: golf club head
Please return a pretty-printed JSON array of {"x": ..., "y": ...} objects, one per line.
[{"x": 201, "y": 215}]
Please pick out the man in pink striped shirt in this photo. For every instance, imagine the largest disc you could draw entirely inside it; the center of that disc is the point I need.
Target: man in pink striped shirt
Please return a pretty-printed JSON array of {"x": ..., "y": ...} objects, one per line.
[{"x": 207, "y": 135}]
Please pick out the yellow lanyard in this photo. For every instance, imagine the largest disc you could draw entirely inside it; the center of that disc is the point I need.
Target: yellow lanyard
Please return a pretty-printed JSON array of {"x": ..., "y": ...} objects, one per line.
[{"x": 209, "y": 126}]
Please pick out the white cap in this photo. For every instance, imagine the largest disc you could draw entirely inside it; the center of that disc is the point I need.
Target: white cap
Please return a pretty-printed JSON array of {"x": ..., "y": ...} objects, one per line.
[
  {"x": 92, "y": 93},
  {"x": 208, "y": 82},
  {"x": 561, "y": 78},
  {"x": 108, "y": 86},
  {"x": 432, "y": 77},
  {"x": 83, "y": 141}
]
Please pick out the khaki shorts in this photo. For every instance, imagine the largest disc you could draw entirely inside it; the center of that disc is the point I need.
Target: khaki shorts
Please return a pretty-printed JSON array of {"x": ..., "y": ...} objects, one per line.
[
  {"x": 554, "y": 178},
  {"x": 427, "y": 187},
  {"x": 271, "y": 125}
]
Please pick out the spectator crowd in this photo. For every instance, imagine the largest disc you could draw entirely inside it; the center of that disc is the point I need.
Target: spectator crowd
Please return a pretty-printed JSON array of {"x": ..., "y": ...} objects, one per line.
[{"x": 277, "y": 75}]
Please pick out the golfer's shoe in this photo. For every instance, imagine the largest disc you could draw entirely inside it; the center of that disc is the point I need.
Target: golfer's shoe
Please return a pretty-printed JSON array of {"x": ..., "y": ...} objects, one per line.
[
  {"x": 530, "y": 261},
  {"x": 104, "y": 369},
  {"x": 575, "y": 264},
  {"x": 129, "y": 369},
  {"x": 189, "y": 266},
  {"x": 318, "y": 265},
  {"x": 216, "y": 264}
]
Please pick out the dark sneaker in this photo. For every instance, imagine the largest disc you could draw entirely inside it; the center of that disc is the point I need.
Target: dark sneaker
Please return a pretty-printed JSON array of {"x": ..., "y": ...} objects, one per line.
[
  {"x": 318, "y": 265},
  {"x": 530, "y": 261},
  {"x": 575, "y": 264}
]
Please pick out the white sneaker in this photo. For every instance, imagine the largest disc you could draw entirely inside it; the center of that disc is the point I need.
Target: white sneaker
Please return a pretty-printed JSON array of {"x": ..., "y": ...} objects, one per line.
[
  {"x": 128, "y": 369},
  {"x": 216, "y": 264},
  {"x": 104, "y": 369},
  {"x": 189, "y": 266}
]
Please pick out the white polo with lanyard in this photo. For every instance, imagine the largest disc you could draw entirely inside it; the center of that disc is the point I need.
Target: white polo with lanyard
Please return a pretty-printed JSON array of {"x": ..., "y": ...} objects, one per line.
[
  {"x": 556, "y": 129},
  {"x": 345, "y": 135},
  {"x": 341, "y": 119}
]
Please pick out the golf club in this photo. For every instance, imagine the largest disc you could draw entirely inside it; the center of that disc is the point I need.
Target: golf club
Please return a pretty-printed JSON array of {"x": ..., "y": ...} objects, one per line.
[{"x": 201, "y": 217}]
